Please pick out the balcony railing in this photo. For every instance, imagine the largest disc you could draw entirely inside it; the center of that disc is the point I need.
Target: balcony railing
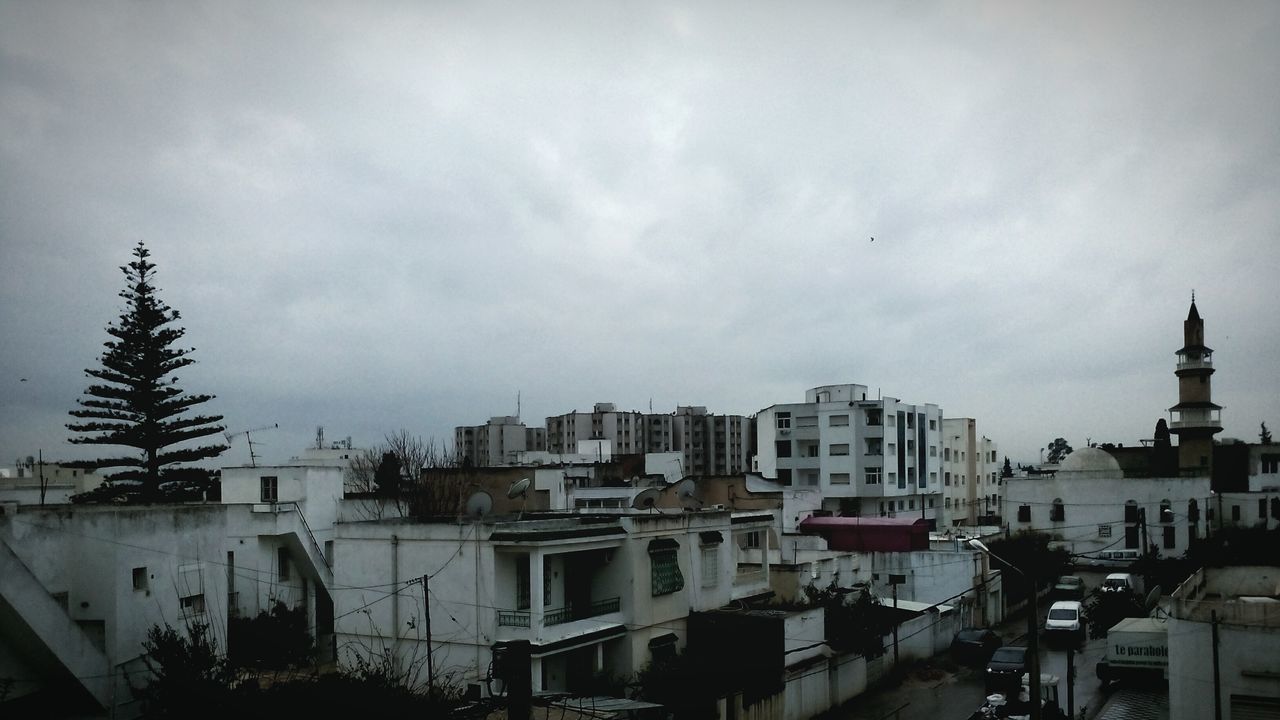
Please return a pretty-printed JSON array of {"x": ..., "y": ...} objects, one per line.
[{"x": 559, "y": 616}]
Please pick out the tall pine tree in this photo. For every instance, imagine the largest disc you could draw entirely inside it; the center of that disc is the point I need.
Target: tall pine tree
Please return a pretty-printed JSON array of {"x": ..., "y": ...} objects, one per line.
[{"x": 138, "y": 404}]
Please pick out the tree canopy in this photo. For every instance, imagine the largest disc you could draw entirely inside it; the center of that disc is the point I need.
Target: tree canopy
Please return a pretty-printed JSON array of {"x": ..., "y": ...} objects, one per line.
[
  {"x": 1058, "y": 451},
  {"x": 138, "y": 404}
]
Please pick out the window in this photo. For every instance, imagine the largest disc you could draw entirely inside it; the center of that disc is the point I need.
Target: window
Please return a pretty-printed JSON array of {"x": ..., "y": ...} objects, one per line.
[
  {"x": 522, "y": 582},
  {"x": 1130, "y": 511},
  {"x": 1235, "y": 513},
  {"x": 1168, "y": 537},
  {"x": 1270, "y": 464},
  {"x": 1057, "y": 513},
  {"x": 874, "y": 417},
  {"x": 875, "y": 446},
  {"x": 1262, "y": 509},
  {"x": 192, "y": 604},
  {"x": 839, "y": 449},
  {"x": 933, "y": 478},
  {"x": 946, "y": 454},
  {"x": 893, "y": 480},
  {"x": 270, "y": 486},
  {"x": 872, "y": 475},
  {"x": 838, "y": 420},
  {"x": 911, "y": 420},
  {"x": 282, "y": 562},
  {"x": 891, "y": 420},
  {"x": 933, "y": 451},
  {"x": 664, "y": 567},
  {"x": 946, "y": 479},
  {"x": 710, "y": 566},
  {"x": 752, "y": 539},
  {"x": 947, "y": 503},
  {"x": 783, "y": 447},
  {"x": 1166, "y": 512},
  {"x": 933, "y": 424},
  {"x": 1024, "y": 513},
  {"x": 931, "y": 503},
  {"x": 139, "y": 578},
  {"x": 1193, "y": 511},
  {"x": 784, "y": 421},
  {"x": 911, "y": 476},
  {"x": 839, "y": 478},
  {"x": 911, "y": 504},
  {"x": 807, "y": 421},
  {"x": 892, "y": 449},
  {"x": 784, "y": 476}
]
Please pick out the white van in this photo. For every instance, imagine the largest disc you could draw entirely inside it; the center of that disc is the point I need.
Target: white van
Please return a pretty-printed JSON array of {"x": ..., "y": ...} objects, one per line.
[
  {"x": 1114, "y": 558},
  {"x": 1066, "y": 620},
  {"x": 1122, "y": 582}
]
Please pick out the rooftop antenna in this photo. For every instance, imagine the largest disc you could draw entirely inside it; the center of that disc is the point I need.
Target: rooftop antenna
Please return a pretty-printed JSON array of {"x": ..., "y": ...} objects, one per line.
[
  {"x": 319, "y": 437},
  {"x": 517, "y": 404},
  {"x": 646, "y": 499},
  {"x": 248, "y": 436}
]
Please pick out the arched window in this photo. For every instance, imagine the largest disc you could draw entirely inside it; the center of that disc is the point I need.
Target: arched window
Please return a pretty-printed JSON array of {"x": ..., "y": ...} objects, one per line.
[
  {"x": 1057, "y": 513},
  {"x": 1193, "y": 511},
  {"x": 1130, "y": 511},
  {"x": 1166, "y": 511}
]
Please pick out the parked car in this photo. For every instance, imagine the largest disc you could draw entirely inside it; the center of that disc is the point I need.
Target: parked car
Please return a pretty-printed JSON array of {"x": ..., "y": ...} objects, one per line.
[
  {"x": 973, "y": 646},
  {"x": 1005, "y": 668},
  {"x": 1069, "y": 587},
  {"x": 1066, "y": 621}
]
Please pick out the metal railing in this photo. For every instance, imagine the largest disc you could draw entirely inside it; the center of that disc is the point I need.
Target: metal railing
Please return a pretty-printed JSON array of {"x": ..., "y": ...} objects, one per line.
[{"x": 559, "y": 616}]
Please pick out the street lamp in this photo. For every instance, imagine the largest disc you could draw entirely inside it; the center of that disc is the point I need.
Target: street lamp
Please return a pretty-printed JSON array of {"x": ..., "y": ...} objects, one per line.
[{"x": 1033, "y": 665}]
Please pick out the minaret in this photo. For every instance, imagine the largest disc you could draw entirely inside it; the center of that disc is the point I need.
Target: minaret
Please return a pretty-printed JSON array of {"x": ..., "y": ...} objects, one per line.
[{"x": 1195, "y": 419}]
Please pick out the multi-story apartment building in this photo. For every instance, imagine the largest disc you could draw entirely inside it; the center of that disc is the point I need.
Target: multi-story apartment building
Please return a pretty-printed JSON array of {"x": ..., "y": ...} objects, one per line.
[
  {"x": 971, "y": 482},
  {"x": 497, "y": 442},
  {"x": 623, "y": 430},
  {"x": 841, "y": 451}
]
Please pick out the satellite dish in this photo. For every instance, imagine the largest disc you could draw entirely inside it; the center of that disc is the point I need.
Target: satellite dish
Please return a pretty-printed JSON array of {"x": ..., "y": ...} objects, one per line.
[
  {"x": 645, "y": 499},
  {"x": 519, "y": 488},
  {"x": 685, "y": 490},
  {"x": 478, "y": 505}
]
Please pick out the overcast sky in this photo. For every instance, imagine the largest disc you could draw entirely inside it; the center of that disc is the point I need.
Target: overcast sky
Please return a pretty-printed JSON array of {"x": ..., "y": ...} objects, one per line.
[{"x": 376, "y": 216}]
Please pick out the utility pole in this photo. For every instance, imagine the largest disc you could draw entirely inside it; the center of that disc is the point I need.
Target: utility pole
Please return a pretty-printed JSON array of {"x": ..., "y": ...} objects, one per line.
[
  {"x": 426, "y": 603},
  {"x": 43, "y": 486},
  {"x": 1217, "y": 679},
  {"x": 1142, "y": 526},
  {"x": 1071, "y": 683},
  {"x": 894, "y": 581}
]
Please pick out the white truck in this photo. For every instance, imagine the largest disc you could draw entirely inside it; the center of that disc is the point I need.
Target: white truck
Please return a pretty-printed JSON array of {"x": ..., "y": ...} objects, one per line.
[{"x": 1137, "y": 652}]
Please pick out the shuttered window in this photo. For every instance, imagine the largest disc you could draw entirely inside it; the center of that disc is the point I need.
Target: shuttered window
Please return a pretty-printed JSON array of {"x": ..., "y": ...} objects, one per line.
[{"x": 664, "y": 567}]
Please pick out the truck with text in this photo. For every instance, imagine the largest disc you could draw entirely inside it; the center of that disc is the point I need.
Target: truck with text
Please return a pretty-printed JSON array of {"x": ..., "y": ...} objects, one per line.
[{"x": 1137, "y": 652}]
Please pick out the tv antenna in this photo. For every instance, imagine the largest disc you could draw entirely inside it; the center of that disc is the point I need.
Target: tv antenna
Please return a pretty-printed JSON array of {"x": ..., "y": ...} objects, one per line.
[
  {"x": 520, "y": 489},
  {"x": 645, "y": 499},
  {"x": 478, "y": 505},
  {"x": 248, "y": 436}
]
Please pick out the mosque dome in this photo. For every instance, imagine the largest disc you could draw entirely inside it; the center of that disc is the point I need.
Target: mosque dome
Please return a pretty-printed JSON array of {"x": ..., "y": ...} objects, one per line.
[{"x": 1090, "y": 460}]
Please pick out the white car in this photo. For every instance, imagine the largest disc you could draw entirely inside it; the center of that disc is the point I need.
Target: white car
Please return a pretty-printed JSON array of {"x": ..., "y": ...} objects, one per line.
[{"x": 1066, "y": 619}]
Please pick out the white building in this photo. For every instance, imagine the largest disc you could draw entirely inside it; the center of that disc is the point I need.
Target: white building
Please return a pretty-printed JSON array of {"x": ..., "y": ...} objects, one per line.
[
  {"x": 972, "y": 487},
  {"x": 34, "y": 482},
  {"x": 1224, "y": 627},
  {"x": 625, "y": 430},
  {"x": 709, "y": 444},
  {"x": 1089, "y": 505},
  {"x": 589, "y": 592},
  {"x": 498, "y": 442},
  {"x": 842, "y": 452}
]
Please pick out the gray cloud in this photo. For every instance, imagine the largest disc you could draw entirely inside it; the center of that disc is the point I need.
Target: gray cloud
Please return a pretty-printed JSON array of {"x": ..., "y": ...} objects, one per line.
[{"x": 397, "y": 215}]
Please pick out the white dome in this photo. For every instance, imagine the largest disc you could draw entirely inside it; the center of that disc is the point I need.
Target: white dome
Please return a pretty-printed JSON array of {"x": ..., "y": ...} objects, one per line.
[{"x": 1089, "y": 460}]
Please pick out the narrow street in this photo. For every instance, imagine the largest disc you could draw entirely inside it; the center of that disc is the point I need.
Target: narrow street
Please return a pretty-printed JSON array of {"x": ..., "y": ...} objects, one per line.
[{"x": 939, "y": 689}]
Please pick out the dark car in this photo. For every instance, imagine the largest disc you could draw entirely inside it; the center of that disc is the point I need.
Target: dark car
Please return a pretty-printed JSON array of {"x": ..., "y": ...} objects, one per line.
[
  {"x": 1005, "y": 669},
  {"x": 1069, "y": 587},
  {"x": 973, "y": 646}
]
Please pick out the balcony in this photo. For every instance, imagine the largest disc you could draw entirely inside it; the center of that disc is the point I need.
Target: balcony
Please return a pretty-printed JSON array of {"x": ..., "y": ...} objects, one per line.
[
  {"x": 559, "y": 616},
  {"x": 1205, "y": 423}
]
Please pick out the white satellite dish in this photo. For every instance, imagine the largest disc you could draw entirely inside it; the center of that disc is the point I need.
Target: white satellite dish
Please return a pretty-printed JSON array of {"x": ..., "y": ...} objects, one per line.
[
  {"x": 519, "y": 488},
  {"x": 478, "y": 505},
  {"x": 645, "y": 499},
  {"x": 685, "y": 490}
]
